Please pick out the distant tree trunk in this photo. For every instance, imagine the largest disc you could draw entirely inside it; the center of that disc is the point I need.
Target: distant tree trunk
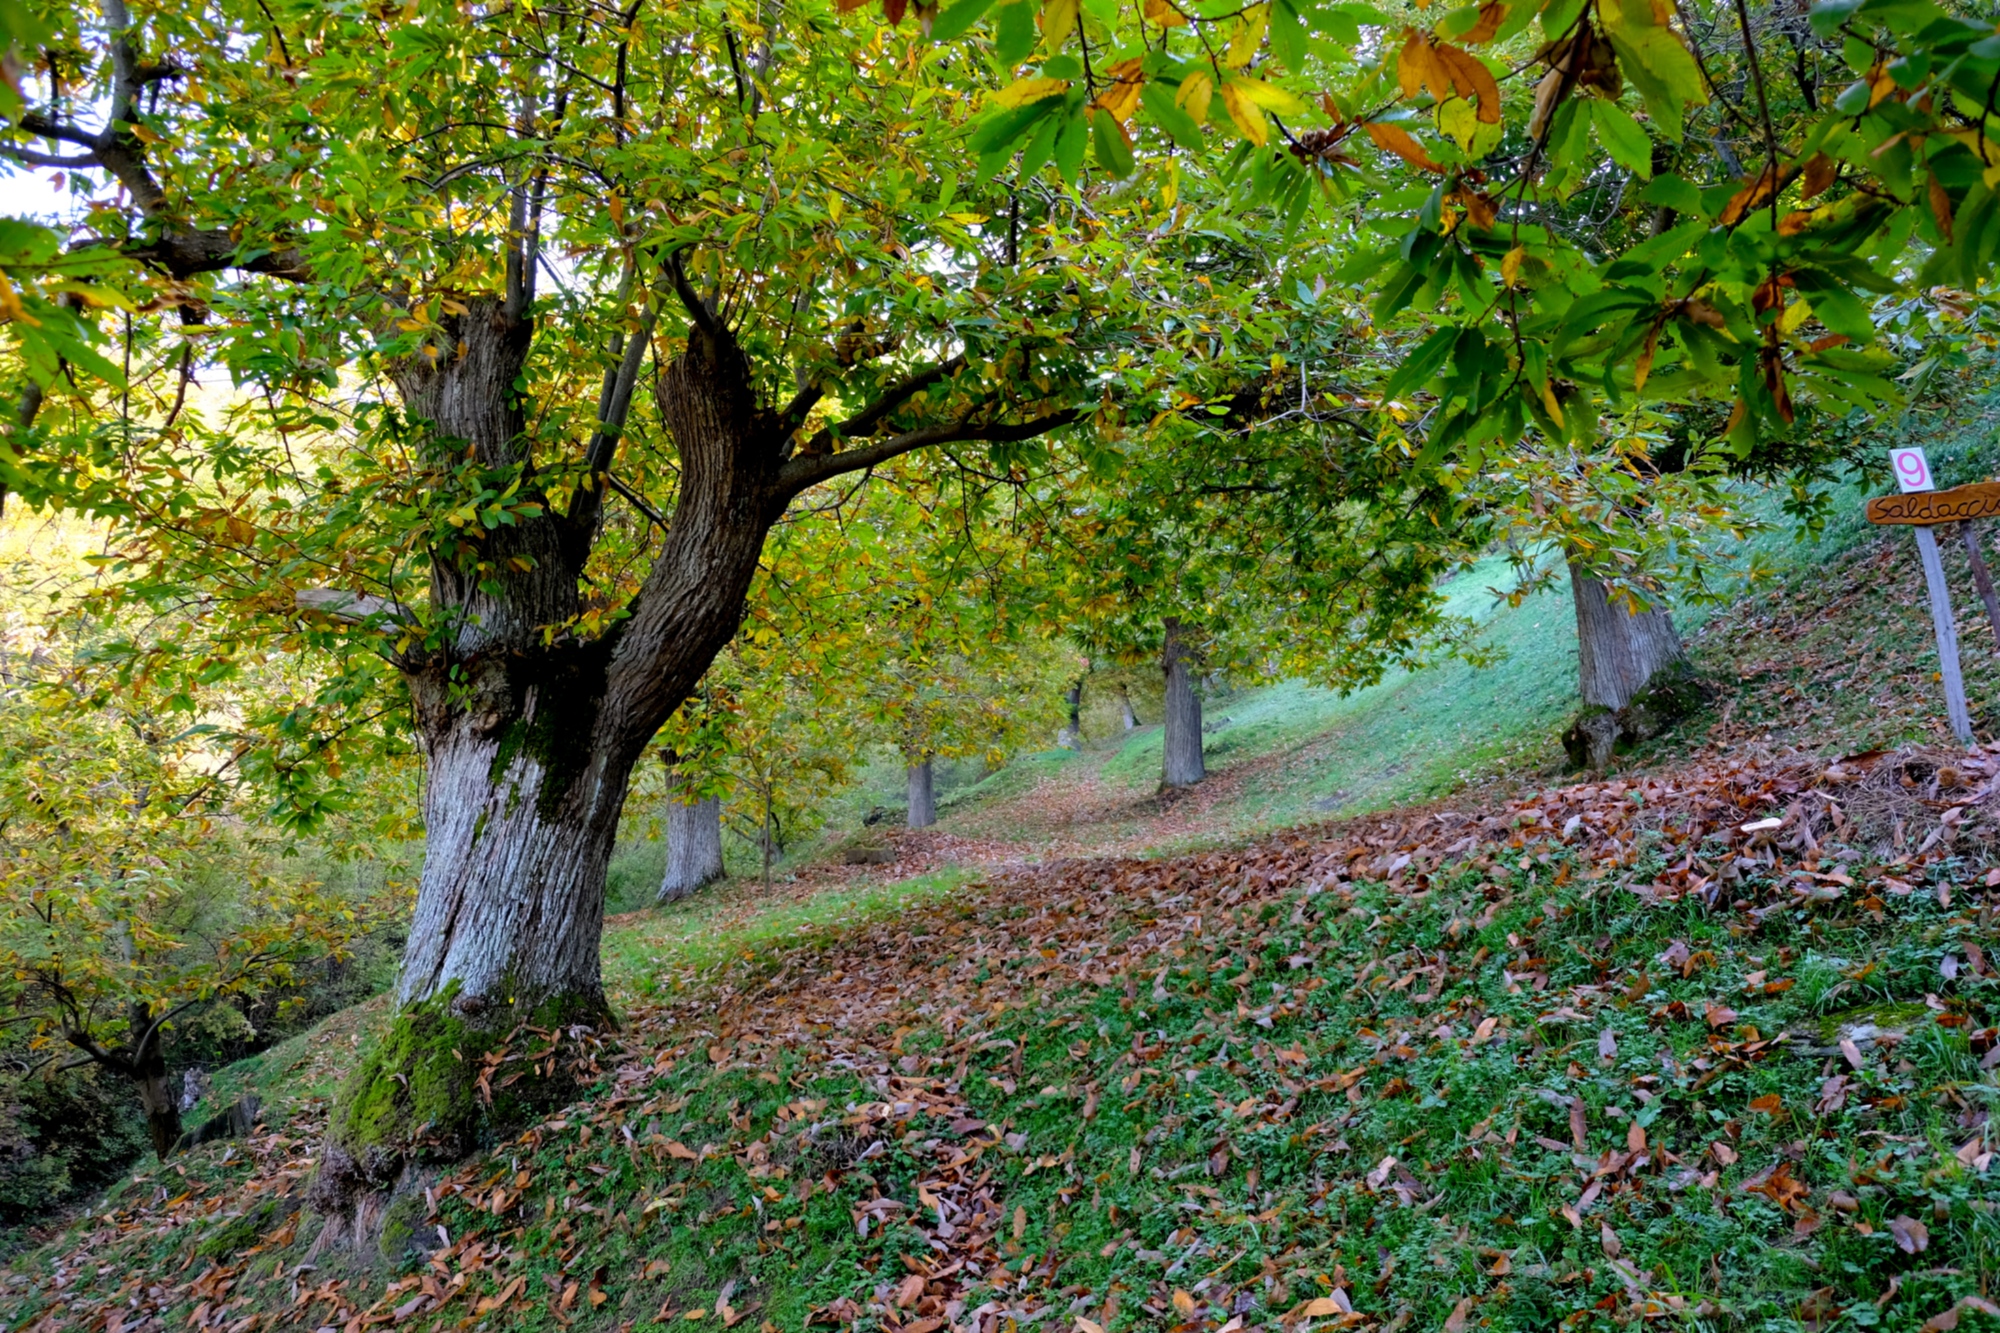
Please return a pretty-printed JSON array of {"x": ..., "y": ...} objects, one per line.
[
  {"x": 1181, "y": 756},
  {"x": 1125, "y": 708},
  {"x": 694, "y": 847},
  {"x": 162, "y": 1107},
  {"x": 1617, "y": 652},
  {"x": 923, "y": 800},
  {"x": 1071, "y": 736}
]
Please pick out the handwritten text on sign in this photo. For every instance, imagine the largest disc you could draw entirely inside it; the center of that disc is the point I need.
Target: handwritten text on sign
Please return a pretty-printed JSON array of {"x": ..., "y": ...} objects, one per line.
[{"x": 1923, "y": 508}]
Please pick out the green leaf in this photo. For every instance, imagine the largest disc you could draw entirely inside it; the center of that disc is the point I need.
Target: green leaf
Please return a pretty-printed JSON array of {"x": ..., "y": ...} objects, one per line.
[
  {"x": 1113, "y": 153},
  {"x": 1652, "y": 57},
  {"x": 1671, "y": 191},
  {"x": 1834, "y": 305},
  {"x": 1288, "y": 34},
  {"x": 1041, "y": 146},
  {"x": 957, "y": 20},
  {"x": 1420, "y": 365},
  {"x": 1623, "y": 138},
  {"x": 1001, "y": 129},
  {"x": 1014, "y": 33},
  {"x": 1158, "y": 100},
  {"x": 1070, "y": 142}
]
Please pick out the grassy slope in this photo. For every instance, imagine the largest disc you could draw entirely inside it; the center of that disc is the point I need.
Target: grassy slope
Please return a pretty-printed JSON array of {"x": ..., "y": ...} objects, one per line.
[{"x": 1291, "y": 1207}]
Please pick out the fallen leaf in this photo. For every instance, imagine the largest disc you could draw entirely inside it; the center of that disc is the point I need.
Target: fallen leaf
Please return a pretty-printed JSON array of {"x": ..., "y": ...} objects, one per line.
[{"x": 1911, "y": 1236}]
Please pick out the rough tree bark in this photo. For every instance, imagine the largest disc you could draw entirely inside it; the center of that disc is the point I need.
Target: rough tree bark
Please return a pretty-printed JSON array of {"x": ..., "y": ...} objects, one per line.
[
  {"x": 1617, "y": 650},
  {"x": 694, "y": 847},
  {"x": 1181, "y": 760},
  {"x": 923, "y": 799}
]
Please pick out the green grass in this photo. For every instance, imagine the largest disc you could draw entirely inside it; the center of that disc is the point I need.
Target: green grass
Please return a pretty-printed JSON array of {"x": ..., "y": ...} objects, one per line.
[
  {"x": 1212, "y": 1121},
  {"x": 669, "y": 948}
]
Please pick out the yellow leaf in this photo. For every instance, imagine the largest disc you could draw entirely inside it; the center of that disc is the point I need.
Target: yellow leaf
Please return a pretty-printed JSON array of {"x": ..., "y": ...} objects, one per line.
[
  {"x": 1123, "y": 95},
  {"x": 1193, "y": 97},
  {"x": 1023, "y": 91},
  {"x": 1510, "y": 266},
  {"x": 1248, "y": 36},
  {"x": 1549, "y": 402},
  {"x": 1245, "y": 114},
  {"x": 1058, "y": 21},
  {"x": 1164, "y": 14},
  {"x": 1268, "y": 95},
  {"x": 1457, "y": 119},
  {"x": 1318, "y": 1306}
]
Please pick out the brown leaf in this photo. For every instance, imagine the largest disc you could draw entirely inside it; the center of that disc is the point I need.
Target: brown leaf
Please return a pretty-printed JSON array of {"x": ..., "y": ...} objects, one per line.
[
  {"x": 1491, "y": 15},
  {"x": 1607, "y": 1045},
  {"x": 1820, "y": 172},
  {"x": 1780, "y": 1188},
  {"x": 1940, "y": 206},
  {"x": 909, "y": 1291},
  {"x": 1911, "y": 1236},
  {"x": 1397, "y": 140},
  {"x": 1579, "y": 1128},
  {"x": 1455, "y": 1322},
  {"x": 678, "y": 1149},
  {"x": 1608, "y": 1239},
  {"x": 1472, "y": 79}
]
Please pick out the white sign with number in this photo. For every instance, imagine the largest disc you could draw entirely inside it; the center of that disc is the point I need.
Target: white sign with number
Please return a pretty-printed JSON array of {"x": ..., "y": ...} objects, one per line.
[{"x": 1912, "y": 469}]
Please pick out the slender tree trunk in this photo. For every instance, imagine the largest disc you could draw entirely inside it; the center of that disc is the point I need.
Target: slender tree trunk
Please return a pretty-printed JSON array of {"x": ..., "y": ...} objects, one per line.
[
  {"x": 1071, "y": 736},
  {"x": 1131, "y": 718},
  {"x": 923, "y": 801},
  {"x": 1181, "y": 760},
  {"x": 694, "y": 847},
  {"x": 145, "y": 1062},
  {"x": 163, "y": 1111},
  {"x": 1617, "y": 651}
]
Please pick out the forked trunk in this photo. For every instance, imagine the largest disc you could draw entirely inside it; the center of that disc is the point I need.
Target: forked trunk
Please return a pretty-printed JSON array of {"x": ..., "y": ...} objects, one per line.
[
  {"x": 1181, "y": 762},
  {"x": 530, "y": 737},
  {"x": 923, "y": 800},
  {"x": 1617, "y": 650},
  {"x": 694, "y": 847}
]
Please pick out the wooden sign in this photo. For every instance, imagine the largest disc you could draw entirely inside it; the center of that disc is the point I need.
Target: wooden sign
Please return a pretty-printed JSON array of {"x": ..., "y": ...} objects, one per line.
[{"x": 1923, "y": 508}]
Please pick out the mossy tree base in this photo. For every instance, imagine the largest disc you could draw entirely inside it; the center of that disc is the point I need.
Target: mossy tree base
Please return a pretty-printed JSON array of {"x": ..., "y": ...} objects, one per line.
[{"x": 444, "y": 1082}]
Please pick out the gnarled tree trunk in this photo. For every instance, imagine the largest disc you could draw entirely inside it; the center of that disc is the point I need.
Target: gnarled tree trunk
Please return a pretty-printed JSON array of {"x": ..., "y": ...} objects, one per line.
[
  {"x": 923, "y": 800},
  {"x": 530, "y": 738},
  {"x": 694, "y": 847},
  {"x": 1181, "y": 761}
]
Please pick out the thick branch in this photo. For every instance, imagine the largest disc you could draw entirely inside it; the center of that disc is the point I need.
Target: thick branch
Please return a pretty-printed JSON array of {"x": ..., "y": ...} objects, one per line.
[
  {"x": 352, "y": 608},
  {"x": 810, "y": 469},
  {"x": 868, "y": 418}
]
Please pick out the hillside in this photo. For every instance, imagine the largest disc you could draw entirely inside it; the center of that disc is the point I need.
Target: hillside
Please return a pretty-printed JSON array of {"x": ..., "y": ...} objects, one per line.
[{"x": 1711, "y": 1042}]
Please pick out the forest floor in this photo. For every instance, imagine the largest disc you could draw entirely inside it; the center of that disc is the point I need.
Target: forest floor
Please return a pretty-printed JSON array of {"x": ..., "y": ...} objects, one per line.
[{"x": 1712, "y": 1043}]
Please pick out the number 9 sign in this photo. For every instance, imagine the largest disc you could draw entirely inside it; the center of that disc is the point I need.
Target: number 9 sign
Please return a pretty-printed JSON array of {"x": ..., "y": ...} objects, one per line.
[{"x": 1913, "y": 470}]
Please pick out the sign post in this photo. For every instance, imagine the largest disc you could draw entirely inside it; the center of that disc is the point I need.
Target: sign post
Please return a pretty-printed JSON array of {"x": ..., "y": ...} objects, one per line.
[{"x": 1922, "y": 506}]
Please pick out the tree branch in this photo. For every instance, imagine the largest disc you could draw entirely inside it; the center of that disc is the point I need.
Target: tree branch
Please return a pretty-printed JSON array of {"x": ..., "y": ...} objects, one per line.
[
  {"x": 865, "y": 421},
  {"x": 810, "y": 469}
]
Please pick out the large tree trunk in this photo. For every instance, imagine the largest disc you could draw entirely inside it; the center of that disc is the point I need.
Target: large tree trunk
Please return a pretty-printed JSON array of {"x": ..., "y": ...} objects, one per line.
[
  {"x": 1617, "y": 651},
  {"x": 1181, "y": 762},
  {"x": 694, "y": 847},
  {"x": 923, "y": 801},
  {"x": 530, "y": 737}
]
